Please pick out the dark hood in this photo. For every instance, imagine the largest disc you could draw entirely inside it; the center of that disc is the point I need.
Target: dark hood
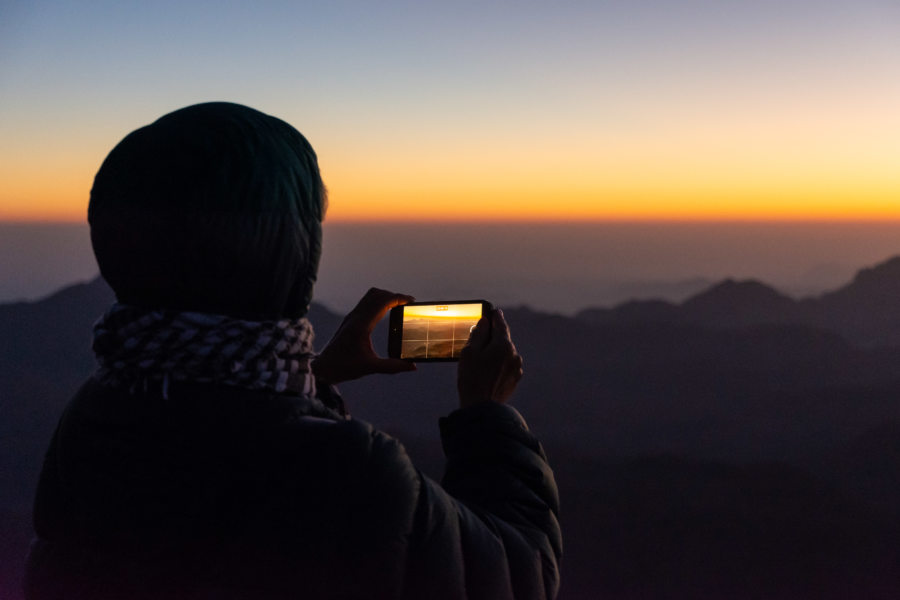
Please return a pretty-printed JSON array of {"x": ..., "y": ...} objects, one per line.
[{"x": 217, "y": 208}]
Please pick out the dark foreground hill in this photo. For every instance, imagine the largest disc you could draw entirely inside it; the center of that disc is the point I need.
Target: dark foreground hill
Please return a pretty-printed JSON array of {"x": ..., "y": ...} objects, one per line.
[{"x": 741, "y": 444}]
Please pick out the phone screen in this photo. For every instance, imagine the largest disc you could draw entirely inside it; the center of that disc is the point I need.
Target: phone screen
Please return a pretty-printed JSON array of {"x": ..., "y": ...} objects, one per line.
[{"x": 437, "y": 331}]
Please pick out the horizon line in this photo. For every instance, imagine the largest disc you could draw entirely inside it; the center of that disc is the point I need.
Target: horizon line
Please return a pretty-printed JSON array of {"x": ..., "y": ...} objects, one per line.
[{"x": 660, "y": 220}]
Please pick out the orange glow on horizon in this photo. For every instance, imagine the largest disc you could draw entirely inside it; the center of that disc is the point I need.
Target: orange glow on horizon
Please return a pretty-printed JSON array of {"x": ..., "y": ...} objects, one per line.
[
  {"x": 496, "y": 209},
  {"x": 37, "y": 185},
  {"x": 374, "y": 208},
  {"x": 634, "y": 186},
  {"x": 741, "y": 204}
]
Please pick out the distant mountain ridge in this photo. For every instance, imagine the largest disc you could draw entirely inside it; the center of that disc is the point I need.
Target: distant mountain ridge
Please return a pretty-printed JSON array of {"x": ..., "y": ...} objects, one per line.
[
  {"x": 866, "y": 312},
  {"x": 740, "y": 438}
]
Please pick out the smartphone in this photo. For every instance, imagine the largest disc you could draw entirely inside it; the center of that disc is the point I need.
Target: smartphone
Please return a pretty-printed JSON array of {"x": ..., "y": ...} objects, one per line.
[{"x": 433, "y": 331}]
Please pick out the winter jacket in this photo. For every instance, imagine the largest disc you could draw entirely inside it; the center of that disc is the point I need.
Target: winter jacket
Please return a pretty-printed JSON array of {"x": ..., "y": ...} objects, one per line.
[{"x": 218, "y": 492}]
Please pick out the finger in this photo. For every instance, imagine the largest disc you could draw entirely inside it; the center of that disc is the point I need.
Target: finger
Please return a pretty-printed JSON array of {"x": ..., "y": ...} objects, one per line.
[
  {"x": 480, "y": 335},
  {"x": 517, "y": 367},
  {"x": 377, "y": 299},
  {"x": 500, "y": 330},
  {"x": 393, "y": 365},
  {"x": 510, "y": 375},
  {"x": 376, "y": 303}
]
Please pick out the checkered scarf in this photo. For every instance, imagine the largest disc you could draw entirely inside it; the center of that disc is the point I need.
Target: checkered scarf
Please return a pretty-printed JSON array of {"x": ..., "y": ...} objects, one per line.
[{"x": 136, "y": 345}]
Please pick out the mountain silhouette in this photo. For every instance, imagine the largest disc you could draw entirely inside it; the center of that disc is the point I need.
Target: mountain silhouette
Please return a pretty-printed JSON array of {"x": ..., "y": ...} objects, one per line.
[
  {"x": 739, "y": 304},
  {"x": 742, "y": 436},
  {"x": 646, "y": 376},
  {"x": 865, "y": 312},
  {"x": 44, "y": 356}
]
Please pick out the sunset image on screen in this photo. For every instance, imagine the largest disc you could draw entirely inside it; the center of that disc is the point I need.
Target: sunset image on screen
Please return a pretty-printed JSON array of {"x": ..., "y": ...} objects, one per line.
[{"x": 437, "y": 330}]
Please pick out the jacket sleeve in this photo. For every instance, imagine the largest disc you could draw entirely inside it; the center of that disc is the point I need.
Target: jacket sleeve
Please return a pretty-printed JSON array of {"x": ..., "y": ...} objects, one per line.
[{"x": 492, "y": 530}]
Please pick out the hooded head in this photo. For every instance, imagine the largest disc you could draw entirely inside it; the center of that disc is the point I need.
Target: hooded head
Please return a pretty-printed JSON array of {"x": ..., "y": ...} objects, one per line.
[{"x": 214, "y": 208}]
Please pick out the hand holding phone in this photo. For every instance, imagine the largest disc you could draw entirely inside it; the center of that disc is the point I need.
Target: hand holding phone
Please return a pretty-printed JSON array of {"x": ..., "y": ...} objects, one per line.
[
  {"x": 350, "y": 354},
  {"x": 490, "y": 366}
]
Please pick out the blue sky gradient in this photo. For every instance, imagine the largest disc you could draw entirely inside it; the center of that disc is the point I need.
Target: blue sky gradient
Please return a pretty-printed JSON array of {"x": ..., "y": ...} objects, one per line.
[{"x": 577, "y": 80}]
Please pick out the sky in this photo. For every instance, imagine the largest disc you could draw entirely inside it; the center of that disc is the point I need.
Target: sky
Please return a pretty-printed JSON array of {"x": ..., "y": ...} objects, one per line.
[{"x": 468, "y": 111}]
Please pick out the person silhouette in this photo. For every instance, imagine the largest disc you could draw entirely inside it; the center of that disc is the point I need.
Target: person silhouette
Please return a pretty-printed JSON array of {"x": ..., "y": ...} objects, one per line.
[{"x": 211, "y": 455}]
